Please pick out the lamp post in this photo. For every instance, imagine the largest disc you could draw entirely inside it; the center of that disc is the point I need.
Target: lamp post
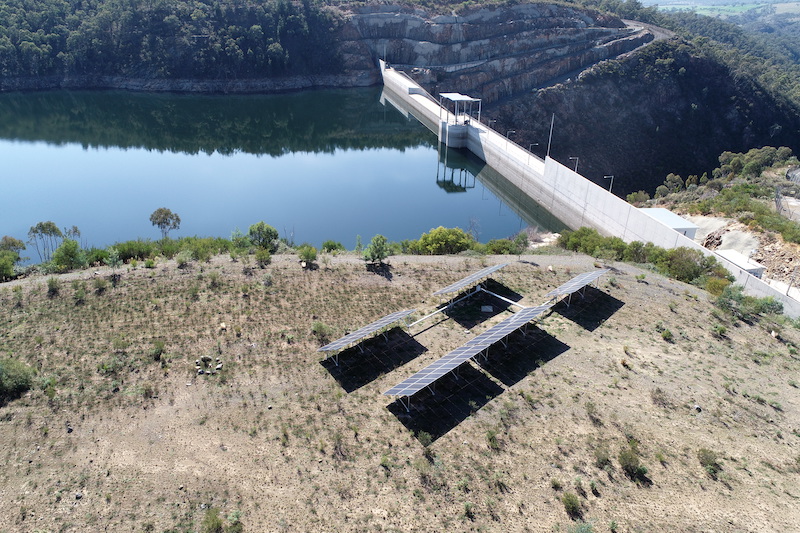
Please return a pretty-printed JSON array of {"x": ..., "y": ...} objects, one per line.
[
  {"x": 530, "y": 148},
  {"x": 610, "y": 184},
  {"x": 576, "y": 162},
  {"x": 509, "y": 132}
]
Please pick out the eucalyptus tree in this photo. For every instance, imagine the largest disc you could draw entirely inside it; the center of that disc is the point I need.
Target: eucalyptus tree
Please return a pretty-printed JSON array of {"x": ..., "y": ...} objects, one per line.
[
  {"x": 166, "y": 221},
  {"x": 45, "y": 238}
]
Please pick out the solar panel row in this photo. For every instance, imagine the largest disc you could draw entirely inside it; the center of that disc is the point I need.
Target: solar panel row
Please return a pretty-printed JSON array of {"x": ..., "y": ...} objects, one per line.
[
  {"x": 469, "y": 280},
  {"x": 460, "y": 355},
  {"x": 366, "y": 330},
  {"x": 576, "y": 283},
  {"x": 508, "y": 326}
]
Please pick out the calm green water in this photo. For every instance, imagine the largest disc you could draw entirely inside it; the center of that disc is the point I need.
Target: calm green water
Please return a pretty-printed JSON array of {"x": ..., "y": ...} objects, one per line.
[{"x": 316, "y": 165}]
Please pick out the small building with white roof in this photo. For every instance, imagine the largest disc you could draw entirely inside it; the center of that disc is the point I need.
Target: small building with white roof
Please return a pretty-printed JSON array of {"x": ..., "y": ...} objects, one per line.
[{"x": 671, "y": 220}]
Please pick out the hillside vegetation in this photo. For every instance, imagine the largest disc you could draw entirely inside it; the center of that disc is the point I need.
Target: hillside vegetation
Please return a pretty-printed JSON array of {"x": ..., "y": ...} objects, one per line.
[{"x": 640, "y": 407}]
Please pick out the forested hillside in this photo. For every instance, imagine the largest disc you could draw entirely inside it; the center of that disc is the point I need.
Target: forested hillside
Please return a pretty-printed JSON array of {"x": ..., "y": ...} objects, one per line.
[
  {"x": 770, "y": 56},
  {"x": 168, "y": 39}
]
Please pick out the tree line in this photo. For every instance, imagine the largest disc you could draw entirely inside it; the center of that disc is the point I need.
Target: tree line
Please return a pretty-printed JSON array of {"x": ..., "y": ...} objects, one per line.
[{"x": 212, "y": 39}]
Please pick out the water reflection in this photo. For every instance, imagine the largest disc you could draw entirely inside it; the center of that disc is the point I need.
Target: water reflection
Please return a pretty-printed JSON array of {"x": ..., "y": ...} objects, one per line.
[{"x": 309, "y": 121}]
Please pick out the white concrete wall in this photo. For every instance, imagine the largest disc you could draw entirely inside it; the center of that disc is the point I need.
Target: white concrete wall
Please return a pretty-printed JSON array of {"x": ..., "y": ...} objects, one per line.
[{"x": 569, "y": 196}]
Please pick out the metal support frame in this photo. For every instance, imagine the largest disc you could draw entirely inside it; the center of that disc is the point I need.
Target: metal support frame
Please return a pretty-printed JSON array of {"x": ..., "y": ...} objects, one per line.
[{"x": 502, "y": 298}]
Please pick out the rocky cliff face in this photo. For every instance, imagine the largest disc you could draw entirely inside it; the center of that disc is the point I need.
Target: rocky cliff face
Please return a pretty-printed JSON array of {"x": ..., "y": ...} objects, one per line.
[
  {"x": 489, "y": 53},
  {"x": 666, "y": 108}
]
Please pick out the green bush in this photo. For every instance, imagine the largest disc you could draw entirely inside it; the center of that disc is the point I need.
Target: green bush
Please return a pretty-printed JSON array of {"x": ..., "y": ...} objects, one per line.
[
  {"x": 572, "y": 505},
  {"x": 7, "y": 262},
  {"x": 307, "y": 253},
  {"x": 137, "y": 249},
  {"x": 377, "y": 249},
  {"x": 442, "y": 241},
  {"x": 183, "y": 258},
  {"x": 709, "y": 461},
  {"x": 322, "y": 331},
  {"x": 747, "y": 308},
  {"x": 263, "y": 257},
  {"x": 262, "y": 235},
  {"x": 96, "y": 256},
  {"x": 53, "y": 287},
  {"x": 629, "y": 461},
  {"x": 332, "y": 246},
  {"x": 69, "y": 256},
  {"x": 15, "y": 379}
]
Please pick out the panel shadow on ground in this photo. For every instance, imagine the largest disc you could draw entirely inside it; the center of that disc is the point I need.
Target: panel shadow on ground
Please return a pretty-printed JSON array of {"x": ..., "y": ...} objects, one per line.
[
  {"x": 379, "y": 356},
  {"x": 468, "y": 313},
  {"x": 590, "y": 311},
  {"x": 455, "y": 399},
  {"x": 524, "y": 354}
]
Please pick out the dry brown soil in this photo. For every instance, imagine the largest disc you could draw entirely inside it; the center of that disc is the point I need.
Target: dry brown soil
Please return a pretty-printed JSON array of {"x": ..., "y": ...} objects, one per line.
[{"x": 129, "y": 443}]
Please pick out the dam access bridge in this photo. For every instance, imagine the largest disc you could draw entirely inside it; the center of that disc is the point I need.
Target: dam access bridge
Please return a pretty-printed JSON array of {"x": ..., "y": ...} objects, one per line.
[{"x": 568, "y": 196}]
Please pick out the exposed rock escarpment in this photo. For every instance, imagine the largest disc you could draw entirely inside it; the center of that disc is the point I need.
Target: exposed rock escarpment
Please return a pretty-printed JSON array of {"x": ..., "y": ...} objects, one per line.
[{"x": 490, "y": 53}]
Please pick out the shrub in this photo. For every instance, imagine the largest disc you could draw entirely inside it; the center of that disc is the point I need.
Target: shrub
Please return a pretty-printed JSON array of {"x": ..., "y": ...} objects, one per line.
[
  {"x": 667, "y": 336},
  {"x": 69, "y": 256},
  {"x": 53, "y": 287},
  {"x": 629, "y": 461},
  {"x": 79, "y": 286},
  {"x": 377, "y": 249},
  {"x": 307, "y": 253},
  {"x": 15, "y": 379},
  {"x": 262, "y": 235},
  {"x": 332, "y": 246},
  {"x": 602, "y": 457},
  {"x": 7, "y": 261},
  {"x": 441, "y": 241},
  {"x": 581, "y": 527},
  {"x": 572, "y": 505},
  {"x": 212, "y": 522},
  {"x": 149, "y": 263},
  {"x": 322, "y": 331},
  {"x": 747, "y": 308},
  {"x": 263, "y": 257},
  {"x": 96, "y": 256},
  {"x": 501, "y": 247},
  {"x": 491, "y": 440},
  {"x": 137, "y": 249},
  {"x": 709, "y": 461},
  {"x": 100, "y": 285},
  {"x": 183, "y": 258}
]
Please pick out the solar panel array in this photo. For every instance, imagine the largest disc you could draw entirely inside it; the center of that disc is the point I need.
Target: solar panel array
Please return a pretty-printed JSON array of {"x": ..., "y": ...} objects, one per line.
[
  {"x": 434, "y": 371},
  {"x": 507, "y": 326},
  {"x": 460, "y": 355},
  {"x": 576, "y": 283},
  {"x": 366, "y": 330},
  {"x": 469, "y": 280}
]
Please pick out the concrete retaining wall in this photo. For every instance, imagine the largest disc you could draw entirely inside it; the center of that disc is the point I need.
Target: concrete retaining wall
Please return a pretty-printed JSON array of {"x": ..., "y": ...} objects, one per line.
[{"x": 569, "y": 196}]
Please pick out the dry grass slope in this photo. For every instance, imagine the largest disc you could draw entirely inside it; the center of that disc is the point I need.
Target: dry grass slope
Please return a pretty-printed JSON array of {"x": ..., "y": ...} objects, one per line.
[{"x": 594, "y": 415}]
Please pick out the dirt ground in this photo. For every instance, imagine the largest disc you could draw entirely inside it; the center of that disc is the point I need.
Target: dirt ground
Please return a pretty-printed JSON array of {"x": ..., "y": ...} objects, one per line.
[{"x": 116, "y": 438}]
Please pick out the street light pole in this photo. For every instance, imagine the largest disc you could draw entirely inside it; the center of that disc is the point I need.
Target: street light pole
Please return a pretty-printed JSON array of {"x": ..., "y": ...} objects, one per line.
[
  {"x": 576, "y": 162},
  {"x": 509, "y": 132},
  {"x": 610, "y": 184}
]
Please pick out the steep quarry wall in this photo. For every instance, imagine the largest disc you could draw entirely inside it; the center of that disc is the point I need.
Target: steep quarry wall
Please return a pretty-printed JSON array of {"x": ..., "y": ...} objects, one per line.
[{"x": 490, "y": 53}]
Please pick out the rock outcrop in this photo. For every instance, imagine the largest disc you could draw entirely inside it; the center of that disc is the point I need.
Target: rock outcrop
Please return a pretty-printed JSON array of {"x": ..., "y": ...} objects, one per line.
[{"x": 489, "y": 53}]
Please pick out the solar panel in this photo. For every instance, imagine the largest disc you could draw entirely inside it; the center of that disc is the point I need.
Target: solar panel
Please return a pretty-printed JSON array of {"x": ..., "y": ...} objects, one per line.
[
  {"x": 460, "y": 355},
  {"x": 469, "y": 280},
  {"x": 507, "y": 326},
  {"x": 576, "y": 283},
  {"x": 434, "y": 371},
  {"x": 366, "y": 330}
]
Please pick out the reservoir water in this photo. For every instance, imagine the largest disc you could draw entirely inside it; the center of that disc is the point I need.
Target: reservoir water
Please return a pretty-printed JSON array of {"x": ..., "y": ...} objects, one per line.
[{"x": 317, "y": 165}]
